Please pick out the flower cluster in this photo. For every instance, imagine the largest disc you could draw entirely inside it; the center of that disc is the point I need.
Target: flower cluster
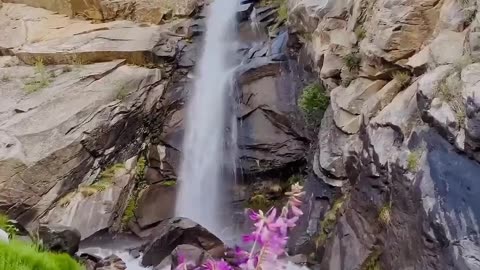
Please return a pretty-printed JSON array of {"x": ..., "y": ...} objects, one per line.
[{"x": 269, "y": 239}]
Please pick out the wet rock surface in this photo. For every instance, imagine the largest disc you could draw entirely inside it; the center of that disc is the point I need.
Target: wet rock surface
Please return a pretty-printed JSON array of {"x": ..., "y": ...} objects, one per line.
[
  {"x": 59, "y": 238},
  {"x": 174, "y": 232}
]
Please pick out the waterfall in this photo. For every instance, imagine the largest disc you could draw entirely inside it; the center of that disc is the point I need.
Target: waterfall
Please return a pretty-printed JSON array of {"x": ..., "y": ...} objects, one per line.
[{"x": 206, "y": 155}]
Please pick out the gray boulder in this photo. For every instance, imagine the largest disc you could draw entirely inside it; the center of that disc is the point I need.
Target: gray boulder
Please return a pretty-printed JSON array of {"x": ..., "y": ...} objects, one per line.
[{"x": 59, "y": 238}]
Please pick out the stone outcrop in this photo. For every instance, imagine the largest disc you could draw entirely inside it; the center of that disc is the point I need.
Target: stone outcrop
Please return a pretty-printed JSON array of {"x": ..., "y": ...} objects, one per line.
[
  {"x": 400, "y": 124},
  {"x": 59, "y": 238},
  {"x": 155, "y": 12},
  {"x": 174, "y": 232}
]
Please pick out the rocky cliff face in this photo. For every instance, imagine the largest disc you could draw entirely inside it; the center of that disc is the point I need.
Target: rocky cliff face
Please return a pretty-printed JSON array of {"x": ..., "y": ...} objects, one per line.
[
  {"x": 398, "y": 140},
  {"x": 91, "y": 124}
]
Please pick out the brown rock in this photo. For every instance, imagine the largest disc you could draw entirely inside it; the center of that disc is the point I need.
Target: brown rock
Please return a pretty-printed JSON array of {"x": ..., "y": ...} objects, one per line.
[{"x": 155, "y": 204}]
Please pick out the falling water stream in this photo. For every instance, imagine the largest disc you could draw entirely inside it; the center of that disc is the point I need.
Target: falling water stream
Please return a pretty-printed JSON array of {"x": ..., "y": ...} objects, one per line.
[{"x": 206, "y": 158}]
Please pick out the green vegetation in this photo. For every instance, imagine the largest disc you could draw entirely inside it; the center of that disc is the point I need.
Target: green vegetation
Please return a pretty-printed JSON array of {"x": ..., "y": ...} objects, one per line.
[
  {"x": 260, "y": 202},
  {"x": 372, "y": 262},
  {"x": 168, "y": 183},
  {"x": 449, "y": 91},
  {"x": 6, "y": 226},
  {"x": 296, "y": 178},
  {"x": 402, "y": 77},
  {"x": 140, "y": 168},
  {"x": 313, "y": 102},
  {"x": 122, "y": 93},
  {"x": 352, "y": 61},
  {"x": 21, "y": 256},
  {"x": 413, "y": 160},
  {"x": 282, "y": 10},
  {"x": 104, "y": 181},
  {"x": 385, "y": 215},
  {"x": 129, "y": 212},
  {"x": 41, "y": 80},
  {"x": 360, "y": 33},
  {"x": 330, "y": 220}
]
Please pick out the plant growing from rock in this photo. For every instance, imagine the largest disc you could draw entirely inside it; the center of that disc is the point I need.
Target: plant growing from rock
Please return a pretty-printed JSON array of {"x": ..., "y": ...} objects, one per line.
[
  {"x": 6, "y": 226},
  {"x": 449, "y": 91},
  {"x": 104, "y": 181},
  {"x": 268, "y": 240},
  {"x": 360, "y": 33},
  {"x": 413, "y": 160},
  {"x": 329, "y": 220},
  {"x": 372, "y": 262},
  {"x": 352, "y": 61},
  {"x": 385, "y": 214},
  {"x": 313, "y": 102},
  {"x": 402, "y": 77},
  {"x": 41, "y": 80}
]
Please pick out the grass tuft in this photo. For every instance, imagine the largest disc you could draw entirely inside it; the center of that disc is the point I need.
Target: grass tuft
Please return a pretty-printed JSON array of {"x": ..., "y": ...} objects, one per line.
[
  {"x": 385, "y": 214},
  {"x": 450, "y": 91},
  {"x": 360, "y": 33},
  {"x": 129, "y": 212},
  {"x": 352, "y": 61},
  {"x": 122, "y": 93},
  {"x": 168, "y": 183},
  {"x": 41, "y": 80},
  {"x": 413, "y": 160},
  {"x": 372, "y": 262},
  {"x": 330, "y": 220},
  {"x": 21, "y": 256},
  {"x": 104, "y": 181},
  {"x": 402, "y": 77}
]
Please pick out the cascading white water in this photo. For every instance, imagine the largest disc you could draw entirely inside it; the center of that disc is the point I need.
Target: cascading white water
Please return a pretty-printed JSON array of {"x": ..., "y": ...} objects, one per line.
[{"x": 205, "y": 158}]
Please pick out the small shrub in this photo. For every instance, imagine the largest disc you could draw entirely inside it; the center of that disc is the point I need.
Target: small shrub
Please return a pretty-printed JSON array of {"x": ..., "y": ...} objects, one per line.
[
  {"x": 6, "y": 226},
  {"x": 403, "y": 78},
  {"x": 140, "y": 168},
  {"x": 282, "y": 10},
  {"x": 385, "y": 214},
  {"x": 41, "y": 80},
  {"x": 413, "y": 160},
  {"x": 313, "y": 102},
  {"x": 449, "y": 91},
  {"x": 260, "y": 202},
  {"x": 18, "y": 255},
  {"x": 330, "y": 220},
  {"x": 352, "y": 61},
  {"x": 65, "y": 200},
  {"x": 295, "y": 179},
  {"x": 372, "y": 262},
  {"x": 360, "y": 33},
  {"x": 104, "y": 181},
  {"x": 129, "y": 212}
]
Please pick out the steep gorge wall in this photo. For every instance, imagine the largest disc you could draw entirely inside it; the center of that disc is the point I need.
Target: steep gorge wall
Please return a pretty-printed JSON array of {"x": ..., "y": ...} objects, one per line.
[{"x": 398, "y": 140}]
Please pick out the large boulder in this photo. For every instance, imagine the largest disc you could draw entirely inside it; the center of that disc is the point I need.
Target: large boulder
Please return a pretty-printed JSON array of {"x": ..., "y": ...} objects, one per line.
[
  {"x": 173, "y": 232},
  {"x": 415, "y": 20},
  {"x": 156, "y": 203},
  {"x": 90, "y": 210},
  {"x": 59, "y": 238}
]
